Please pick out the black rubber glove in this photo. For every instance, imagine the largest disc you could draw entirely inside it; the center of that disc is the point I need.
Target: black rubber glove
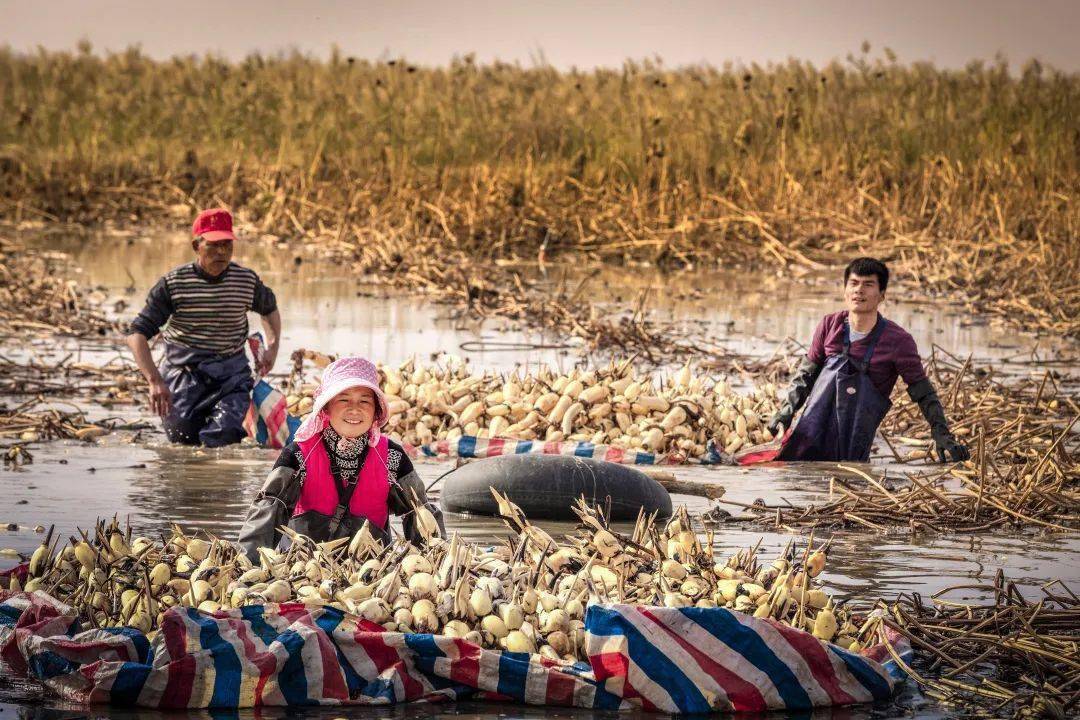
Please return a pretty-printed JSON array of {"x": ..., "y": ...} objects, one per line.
[
  {"x": 949, "y": 449},
  {"x": 801, "y": 385}
]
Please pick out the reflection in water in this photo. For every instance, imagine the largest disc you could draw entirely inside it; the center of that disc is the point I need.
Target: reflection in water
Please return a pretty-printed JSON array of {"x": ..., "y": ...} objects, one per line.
[
  {"x": 477, "y": 710},
  {"x": 909, "y": 702},
  {"x": 208, "y": 492}
]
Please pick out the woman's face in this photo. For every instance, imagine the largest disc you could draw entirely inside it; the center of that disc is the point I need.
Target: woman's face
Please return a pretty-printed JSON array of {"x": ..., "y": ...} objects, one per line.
[{"x": 352, "y": 412}]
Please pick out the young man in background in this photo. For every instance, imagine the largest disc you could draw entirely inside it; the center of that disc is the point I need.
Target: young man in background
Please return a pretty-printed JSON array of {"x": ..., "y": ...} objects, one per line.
[{"x": 844, "y": 382}]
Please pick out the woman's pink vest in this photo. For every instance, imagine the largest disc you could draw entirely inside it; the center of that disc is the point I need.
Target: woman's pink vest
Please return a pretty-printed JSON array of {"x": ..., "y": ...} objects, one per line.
[{"x": 320, "y": 493}]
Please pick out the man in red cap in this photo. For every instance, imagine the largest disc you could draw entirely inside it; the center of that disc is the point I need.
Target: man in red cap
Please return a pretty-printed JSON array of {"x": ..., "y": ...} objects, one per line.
[{"x": 203, "y": 388}]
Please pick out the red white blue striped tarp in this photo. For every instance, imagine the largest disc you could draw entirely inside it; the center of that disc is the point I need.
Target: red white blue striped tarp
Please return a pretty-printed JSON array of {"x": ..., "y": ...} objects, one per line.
[
  {"x": 268, "y": 421},
  {"x": 468, "y": 446},
  {"x": 671, "y": 660}
]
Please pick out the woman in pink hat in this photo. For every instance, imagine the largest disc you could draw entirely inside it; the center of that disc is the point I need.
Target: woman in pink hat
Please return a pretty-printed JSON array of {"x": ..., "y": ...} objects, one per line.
[{"x": 339, "y": 471}]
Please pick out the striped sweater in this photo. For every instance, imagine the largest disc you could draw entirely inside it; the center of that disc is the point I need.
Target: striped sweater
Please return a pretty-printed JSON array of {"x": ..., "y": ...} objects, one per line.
[{"x": 194, "y": 309}]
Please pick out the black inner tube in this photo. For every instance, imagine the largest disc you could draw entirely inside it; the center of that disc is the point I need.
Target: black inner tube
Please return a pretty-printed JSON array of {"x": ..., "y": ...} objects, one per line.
[{"x": 546, "y": 487}]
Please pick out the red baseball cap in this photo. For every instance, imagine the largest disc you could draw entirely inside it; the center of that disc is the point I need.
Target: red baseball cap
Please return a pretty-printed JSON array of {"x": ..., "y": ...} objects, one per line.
[{"x": 214, "y": 225}]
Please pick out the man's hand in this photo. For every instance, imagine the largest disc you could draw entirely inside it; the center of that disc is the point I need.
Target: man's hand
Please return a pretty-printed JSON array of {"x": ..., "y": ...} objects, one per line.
[
  {"x": 949, "y": 449},
  {"x": 802, "y": 383},
  {"x": 269, "y": 357},
  {"x": 272, "y": 329},
  {"x": 160, "y": 397}
]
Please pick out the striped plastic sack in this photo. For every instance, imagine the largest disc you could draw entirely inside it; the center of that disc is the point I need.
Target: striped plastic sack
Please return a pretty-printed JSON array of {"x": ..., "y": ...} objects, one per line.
[
  {"x": 268, "y": 422},
  {"x": 692, "y": 660},
  {"x": 688, "y": 660},
  {"x": 469, "y": 446}
]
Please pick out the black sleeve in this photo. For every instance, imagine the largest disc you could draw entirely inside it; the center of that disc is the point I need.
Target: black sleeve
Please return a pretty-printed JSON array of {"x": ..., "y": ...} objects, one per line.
[
  {"x": 802, "y": 384},
  {"x": 272, "y": 506},
  {"x": 263, "y": 302},
  {"x": 405, "y": 467},
  {"x": 287, "y": 457},
  {"x": 159, "y": 307}
]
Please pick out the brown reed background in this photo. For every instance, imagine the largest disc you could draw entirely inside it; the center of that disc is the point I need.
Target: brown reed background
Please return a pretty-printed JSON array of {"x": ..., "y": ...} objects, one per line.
[{"x": 967, "y": 180}]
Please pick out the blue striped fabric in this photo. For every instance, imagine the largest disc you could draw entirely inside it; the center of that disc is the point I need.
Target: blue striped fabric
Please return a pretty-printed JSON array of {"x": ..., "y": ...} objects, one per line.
[
  {"x": 470, "y": 446},
  {"x": 677, "y": 661},
  {"x": 267, "y": 421}
]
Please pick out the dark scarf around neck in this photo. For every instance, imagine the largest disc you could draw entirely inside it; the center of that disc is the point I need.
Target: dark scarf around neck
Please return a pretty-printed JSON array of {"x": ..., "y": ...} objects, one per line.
[{"x": 345, "y": 453}]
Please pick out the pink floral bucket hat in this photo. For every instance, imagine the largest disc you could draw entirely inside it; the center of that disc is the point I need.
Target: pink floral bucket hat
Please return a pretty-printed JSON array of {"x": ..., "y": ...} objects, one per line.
[{"x": 339, "y": 376}]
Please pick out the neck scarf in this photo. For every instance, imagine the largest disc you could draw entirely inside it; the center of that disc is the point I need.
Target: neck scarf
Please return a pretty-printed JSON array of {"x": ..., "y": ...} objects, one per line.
[{"x": 344, "y": 452}]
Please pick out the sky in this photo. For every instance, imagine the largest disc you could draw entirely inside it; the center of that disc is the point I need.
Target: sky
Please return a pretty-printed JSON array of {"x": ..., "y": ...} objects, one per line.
[{"x": 582, "y": 34}]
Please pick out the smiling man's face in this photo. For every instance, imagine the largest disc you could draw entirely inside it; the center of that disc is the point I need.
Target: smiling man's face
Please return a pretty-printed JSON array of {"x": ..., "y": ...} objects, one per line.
[{"x": 862, "y": 294}]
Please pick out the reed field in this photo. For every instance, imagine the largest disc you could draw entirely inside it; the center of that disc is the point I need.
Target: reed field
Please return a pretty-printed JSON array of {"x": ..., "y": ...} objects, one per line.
[{"x": 967, "y": 180}]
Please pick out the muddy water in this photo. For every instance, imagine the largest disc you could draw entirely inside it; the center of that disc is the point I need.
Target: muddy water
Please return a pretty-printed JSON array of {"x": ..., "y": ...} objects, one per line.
[
  {"x": 908, "y": 703},
  {"x": 151, "y": 484},
  {"x": 753, "y": 314},
  {"x": 325, "y": 306}
]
